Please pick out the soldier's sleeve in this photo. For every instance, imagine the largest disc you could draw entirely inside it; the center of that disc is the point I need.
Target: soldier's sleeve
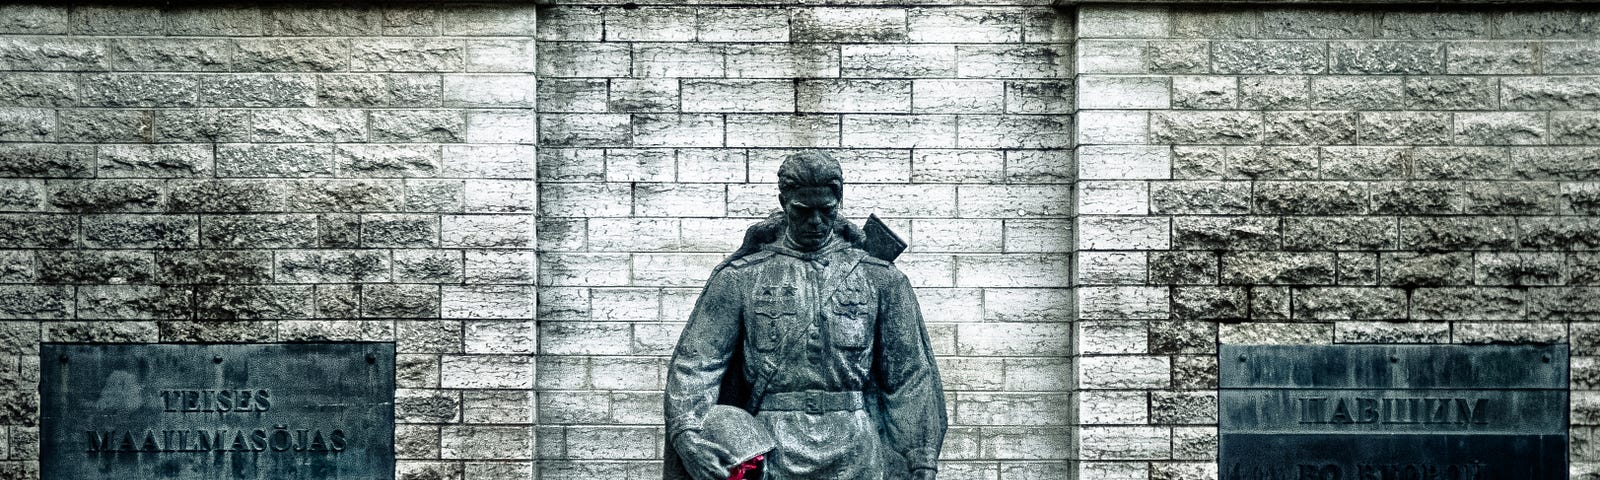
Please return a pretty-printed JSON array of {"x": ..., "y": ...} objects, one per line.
[
  {"x": 704, "y": 349},
  {"x": 913, "y": 396}
]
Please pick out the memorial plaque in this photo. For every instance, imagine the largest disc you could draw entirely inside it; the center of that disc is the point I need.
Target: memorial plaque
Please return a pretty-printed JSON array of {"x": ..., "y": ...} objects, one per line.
[
  {"x": 236, "y": 411},
  {"x": 1393, "y": 412}
]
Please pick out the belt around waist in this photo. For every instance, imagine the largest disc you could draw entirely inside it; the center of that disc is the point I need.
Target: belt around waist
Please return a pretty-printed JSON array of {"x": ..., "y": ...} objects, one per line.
[{"x": 812, "y": 401}]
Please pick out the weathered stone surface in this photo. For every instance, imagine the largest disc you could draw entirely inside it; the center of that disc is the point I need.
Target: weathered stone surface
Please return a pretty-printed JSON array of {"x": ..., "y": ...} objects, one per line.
[
  {"x": 153, "y": 161},
  {"x": 1558, "y": 233},
  {"x": 849, "y": 25},
  {"x": 1210, "y": 303},
  {"x": 1278, "y": 162},
  {"x": 37, "y": 231},
  {"x": 36, "y": 302},
  {"x": 1468, "y": 303},
  {"x": 95, "y": 267},
  {"x": 17, "y": 195},
  {"x": 1310, "y": 128},
  {"x": 1311, "y": 198},
  {"x": 253, "y": 302},
  {"x": 1274, "y": 92},
  {"x": 1200, "y": 198},
  {"x": 1451, "y": 93},
  {"x": 1251, "y": 268},
  {"x": 1569, "y": 303},
  {"x": 106, "y": 125},
  {"x": 1447, "y": 163},
  {"x": 221, "y": 125},
  {"x": 35, "y": 19},
  {"x": 270, "y": 231},
  {"x": 1413, "y": 198},
  {"x": 1206, "y": 127},
  {"x": 140, "y": 231},
  {"x": 38, "y": 90},
  {"x": 1275, "y": 57},
  {"x": 1204, "y": 93},
  {"x": 1425, "y": 269},
  {"x": 1511, "y": 198},
  {"x": 46, "y": 160},
  {"x": 217, "y": 331},
  {"x": 400, "y": 301},
  {"x": 53, "y": 54},
  {"x": 215, "y": 196},
  {"x": 1183, "y": 267},
  {"x": 1583, "y": 268},
  {"x": 426, "y": 406},
  {"x": 101, "y": 332},
  {"x": 345, "y": 196},
  {"x": 338, "y": 230},
  {"x": 134, "y": 302},
  {"x": 1434, "y": 25},
  {"x": 399, "y": 230},
  {"x": 1194, "y": 371},
  {"x": 1345, "y": 303},
  {"x": 1340, "y": 233},
  {"x": 212, "y": 266},
  {"x": 259, "y": 90},
  {"x": 106, "y": 196},
  {"x": 1182, "y": 337},
  {"x": 1404, "y": 128},
  {"x": 1500, "y": 128},
  {"x": 1457, "y": 233},
  {"x": 332, "y": 266},
  {"x": 1356, "y": 92},
  {"x": 1391, "y": 332},
  {"x": 1277, "y": 333},
  {"x": 340, "y": 330},
  {"x": 404, "y": 90},
  {"x": 1270, "y": 303},
  {"x": 1226, "y": 233},
  {"x": 1521, "y": 268},
  {"x": 1387, "y": 57},
  {"x": 1183, "y": 407}
]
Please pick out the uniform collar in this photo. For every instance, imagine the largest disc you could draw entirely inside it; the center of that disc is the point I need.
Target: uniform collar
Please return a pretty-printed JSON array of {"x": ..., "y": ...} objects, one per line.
[{"x": 836, "y": 244}]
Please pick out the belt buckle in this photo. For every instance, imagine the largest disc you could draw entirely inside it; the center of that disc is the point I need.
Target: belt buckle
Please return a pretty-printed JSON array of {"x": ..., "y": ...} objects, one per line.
[{"x": 813, "y": 403}]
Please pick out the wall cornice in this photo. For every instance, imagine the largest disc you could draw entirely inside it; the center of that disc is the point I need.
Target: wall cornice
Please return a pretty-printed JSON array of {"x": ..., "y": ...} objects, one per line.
[
  {"x": 797, "y": 3},
  {"x": 1293, "y": 3}
]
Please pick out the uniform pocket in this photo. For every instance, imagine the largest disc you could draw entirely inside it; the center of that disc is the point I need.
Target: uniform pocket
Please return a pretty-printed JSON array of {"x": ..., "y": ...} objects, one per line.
[
  {"x": 763, "y": 330},
  {"x": 769, "y": 307},
  {"x": 851, "y": 323}
]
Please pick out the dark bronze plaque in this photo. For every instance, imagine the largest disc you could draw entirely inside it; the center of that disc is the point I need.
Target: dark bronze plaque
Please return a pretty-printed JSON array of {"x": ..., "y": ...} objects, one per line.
[
  {"x": 236, "y": 411},
  {"x": 1393, "y": 412}
]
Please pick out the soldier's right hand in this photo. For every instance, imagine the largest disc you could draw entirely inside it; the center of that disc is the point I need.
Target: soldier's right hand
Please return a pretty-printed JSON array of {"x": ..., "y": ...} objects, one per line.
[{"x": 703, "y": 459}]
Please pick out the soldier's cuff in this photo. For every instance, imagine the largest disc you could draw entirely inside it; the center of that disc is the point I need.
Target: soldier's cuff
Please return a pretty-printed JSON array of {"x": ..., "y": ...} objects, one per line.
[
  {"x": 680, "y": 424},
  {"x": 920, "y": 459}
]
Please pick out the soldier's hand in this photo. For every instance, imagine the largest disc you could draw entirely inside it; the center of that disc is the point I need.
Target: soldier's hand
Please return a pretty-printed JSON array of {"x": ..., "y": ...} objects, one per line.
[
  {"x": 923, "y": 474},
  {"x": 703, "y": 459}
]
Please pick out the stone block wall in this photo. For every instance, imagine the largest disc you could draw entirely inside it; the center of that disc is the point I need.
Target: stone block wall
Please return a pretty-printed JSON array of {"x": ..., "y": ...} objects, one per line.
[
  {"x": 1324, "y": 175},
  {"x": 278, "y": 174},
  {"x": 661, "y": 130}
]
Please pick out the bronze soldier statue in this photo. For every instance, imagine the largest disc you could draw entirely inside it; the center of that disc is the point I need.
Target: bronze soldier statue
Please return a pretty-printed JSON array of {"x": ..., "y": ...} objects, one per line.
[{"x": 818, "y": 338}]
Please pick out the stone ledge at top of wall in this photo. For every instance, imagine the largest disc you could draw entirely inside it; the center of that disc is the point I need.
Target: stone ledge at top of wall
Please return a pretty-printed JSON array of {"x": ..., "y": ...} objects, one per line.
[
  {"x": 1267, "y": 3},
  {"x": 793, "y": 3}
]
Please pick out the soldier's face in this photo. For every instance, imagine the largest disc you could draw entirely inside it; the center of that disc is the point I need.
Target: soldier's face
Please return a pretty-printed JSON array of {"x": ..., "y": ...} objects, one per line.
[{"x": 810, "y": 212}]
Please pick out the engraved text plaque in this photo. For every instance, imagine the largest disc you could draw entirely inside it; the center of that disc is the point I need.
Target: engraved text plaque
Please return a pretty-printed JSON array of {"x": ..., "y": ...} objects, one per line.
[
  {"x": 236, "y": 411},
  {"x": 1393, "y": 412}
]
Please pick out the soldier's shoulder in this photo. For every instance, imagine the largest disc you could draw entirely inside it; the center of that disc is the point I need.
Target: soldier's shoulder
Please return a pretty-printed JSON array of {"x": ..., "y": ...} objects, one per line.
[
  {"x": 877, "y": 262},
  {"x": 749, "y": 260}
]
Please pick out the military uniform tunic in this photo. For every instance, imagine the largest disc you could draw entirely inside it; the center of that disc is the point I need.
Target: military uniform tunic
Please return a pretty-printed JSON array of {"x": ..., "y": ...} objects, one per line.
[{"x": 818, "y": 330}]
